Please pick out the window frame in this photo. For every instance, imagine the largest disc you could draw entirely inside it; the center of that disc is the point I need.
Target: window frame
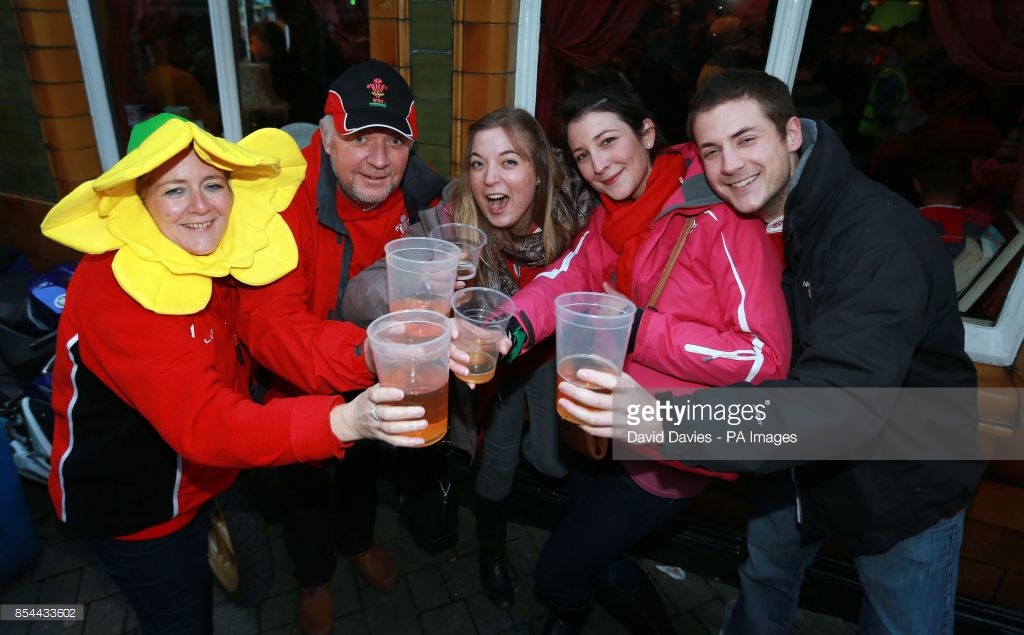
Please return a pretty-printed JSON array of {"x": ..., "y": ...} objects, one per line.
[{"x": 996, "y": 344}]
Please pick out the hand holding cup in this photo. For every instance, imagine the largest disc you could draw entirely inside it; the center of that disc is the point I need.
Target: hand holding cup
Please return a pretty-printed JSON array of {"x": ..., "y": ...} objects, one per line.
[{"x": 481, "y": 316}]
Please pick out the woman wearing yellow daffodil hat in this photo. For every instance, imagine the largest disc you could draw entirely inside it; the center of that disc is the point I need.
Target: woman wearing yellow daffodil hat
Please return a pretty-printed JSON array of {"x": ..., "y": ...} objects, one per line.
[{"x": 150, "y": 389}]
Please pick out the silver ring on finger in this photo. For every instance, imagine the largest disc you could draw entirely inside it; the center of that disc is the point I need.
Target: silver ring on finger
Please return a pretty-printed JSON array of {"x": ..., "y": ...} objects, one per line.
[{"x": 373, "y": 413}]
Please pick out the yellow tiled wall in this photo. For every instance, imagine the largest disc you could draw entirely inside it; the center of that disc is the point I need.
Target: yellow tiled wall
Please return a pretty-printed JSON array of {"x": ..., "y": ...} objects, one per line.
[
  {"x": 55, "y": 74},
  {"x": 389, "y": 33},
  {"x": 46, "y": 128},
  {"x": 431, "y": 41},
  {"x": 484, "y": 63}
]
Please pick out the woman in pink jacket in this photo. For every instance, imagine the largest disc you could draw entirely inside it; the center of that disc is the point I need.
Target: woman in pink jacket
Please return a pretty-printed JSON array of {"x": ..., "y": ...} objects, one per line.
[{"x": 719, "y": 319}]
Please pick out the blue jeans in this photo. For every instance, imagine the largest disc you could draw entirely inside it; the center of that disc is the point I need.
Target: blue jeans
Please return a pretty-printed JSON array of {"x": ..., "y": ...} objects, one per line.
[
  {"x": 166, "y": 580},
  {"x": 585, "y": 556},
  {"x": 908, "y": 590}
]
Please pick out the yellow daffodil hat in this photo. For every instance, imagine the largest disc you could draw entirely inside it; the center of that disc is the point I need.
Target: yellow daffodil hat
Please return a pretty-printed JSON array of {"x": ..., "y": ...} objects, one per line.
[{"x": 264, "y": 170}]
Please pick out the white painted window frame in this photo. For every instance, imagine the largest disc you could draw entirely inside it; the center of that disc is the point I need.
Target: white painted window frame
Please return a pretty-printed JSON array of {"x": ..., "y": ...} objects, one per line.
[{"x": 996, "y": 344}]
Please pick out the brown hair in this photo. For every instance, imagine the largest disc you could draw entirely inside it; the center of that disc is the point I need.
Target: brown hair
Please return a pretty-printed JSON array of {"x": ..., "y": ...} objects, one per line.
[
  {"x": 767, "y": 91},
  {"x": 530, "y": 142}
]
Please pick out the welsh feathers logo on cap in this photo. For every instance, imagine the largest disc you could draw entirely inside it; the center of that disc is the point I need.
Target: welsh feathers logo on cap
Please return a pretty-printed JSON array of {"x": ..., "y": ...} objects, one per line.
[
  {"x": 377, "y": 89},
  {"x": 347, "y": 100}
]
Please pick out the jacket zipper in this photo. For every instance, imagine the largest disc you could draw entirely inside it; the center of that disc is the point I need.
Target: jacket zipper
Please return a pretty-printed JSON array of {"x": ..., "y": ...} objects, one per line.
[
  {"x": 711, "y": 353},
  {"x": 796, "y": 497}
]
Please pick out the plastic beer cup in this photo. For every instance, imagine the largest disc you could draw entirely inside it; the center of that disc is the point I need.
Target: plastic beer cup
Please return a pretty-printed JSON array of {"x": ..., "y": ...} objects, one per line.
[
  {"x": 471, "y": 241},
  {"x": 481, "y": 316},
  {"x": 410, "y": 351},
  {"x": 421, "y": 273},
  {"x": 591, "y": 331}
]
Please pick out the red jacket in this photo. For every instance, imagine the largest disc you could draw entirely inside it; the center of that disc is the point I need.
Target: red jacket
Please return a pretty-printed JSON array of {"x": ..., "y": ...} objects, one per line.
[
  {"x": 152, "y": 412},
  {"x": 721, "y": 317},
  {"x": 304, "y": 307}
]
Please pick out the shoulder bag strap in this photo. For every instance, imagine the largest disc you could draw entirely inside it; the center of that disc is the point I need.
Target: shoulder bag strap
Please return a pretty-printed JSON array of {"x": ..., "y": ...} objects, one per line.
[{"x": 690, "y": 224}]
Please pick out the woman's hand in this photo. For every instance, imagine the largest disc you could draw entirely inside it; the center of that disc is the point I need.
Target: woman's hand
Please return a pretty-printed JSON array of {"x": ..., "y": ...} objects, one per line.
[
  {"x": 607, "y": 414},
  {"x": 369, "y": 416},
  {"x": 611, "y": 290},
  {"x": 368, "y": 356},
  {"x": 457, "y": 357}
]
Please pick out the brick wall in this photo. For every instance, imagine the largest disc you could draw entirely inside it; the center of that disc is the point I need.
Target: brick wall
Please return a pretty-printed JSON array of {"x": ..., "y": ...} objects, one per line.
[
  {"x": 45, "y": 124},
  {"x": 992, "y": 556},
  {"x": 484, "y": 63},
  {"x": 24, "y": 162}
]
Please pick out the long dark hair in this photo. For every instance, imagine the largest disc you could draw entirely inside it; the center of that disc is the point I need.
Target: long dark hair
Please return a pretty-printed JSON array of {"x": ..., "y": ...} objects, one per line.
[{"x": 616, "y": 100}]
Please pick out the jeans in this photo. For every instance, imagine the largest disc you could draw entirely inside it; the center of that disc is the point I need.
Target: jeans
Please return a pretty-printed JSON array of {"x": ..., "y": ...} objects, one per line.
[
  {"x": 585, "y": 556},
  {"x": 503, "y": 432},
  {"x": 908, "y": 590},
  {"x": 166, "y": 580}
]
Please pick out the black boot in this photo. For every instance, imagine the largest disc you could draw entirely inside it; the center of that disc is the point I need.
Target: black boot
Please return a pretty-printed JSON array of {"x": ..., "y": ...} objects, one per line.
[
  {"x": 565, "y": 622},
  {"x": 491, "y": 525},
  {"x": 642, "y": 612}
]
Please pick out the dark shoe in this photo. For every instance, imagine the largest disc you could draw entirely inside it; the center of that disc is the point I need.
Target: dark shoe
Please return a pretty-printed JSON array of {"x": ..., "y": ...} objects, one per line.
[
  {"x": 565, "y": 622},
  {"x": 314, "y": 612},
  {"x": 496, "y": 580},
  {"x": 376, "y": 567},
  {"x": 642, "y": 613},
  {"x": 491, "y": 532}
]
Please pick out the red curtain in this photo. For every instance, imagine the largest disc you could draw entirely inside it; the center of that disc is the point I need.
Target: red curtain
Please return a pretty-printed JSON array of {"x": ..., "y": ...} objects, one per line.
[
  {"x": 580, "y": 33},
  {"x": 975, "y": 35}
]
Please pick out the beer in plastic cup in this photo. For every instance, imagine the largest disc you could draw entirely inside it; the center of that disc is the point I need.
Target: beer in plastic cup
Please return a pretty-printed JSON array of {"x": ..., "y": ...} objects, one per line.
[
  {"x": 471, "y": 240},
  {"x": 421, "y": 273},
  {"x": 410, "y": 351},
  {"x": 481, "y": 315},
  {"x": 591, "y": 331}
]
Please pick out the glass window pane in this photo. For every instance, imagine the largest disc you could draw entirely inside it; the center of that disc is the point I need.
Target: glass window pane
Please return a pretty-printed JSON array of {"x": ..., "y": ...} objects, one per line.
[
  {"x": 663, "y": 54},
  {"x": 289, "y": 53},
  {"x": 158, "y": 57},
  {"x": 928, "y": 107}
]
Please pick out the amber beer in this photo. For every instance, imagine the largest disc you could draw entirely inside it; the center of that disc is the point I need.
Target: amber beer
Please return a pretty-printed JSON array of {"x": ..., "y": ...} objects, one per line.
[
  {"x": 466, "y": 271},
  {"x": 424, "y": 385},
  {"x": 481, "y": 368},
  {"x": 411, "y": 350},
  {"x": 435, "y": 409},
  {"x": 429, "y": 303},
  {"x": 567, "y": 369}
]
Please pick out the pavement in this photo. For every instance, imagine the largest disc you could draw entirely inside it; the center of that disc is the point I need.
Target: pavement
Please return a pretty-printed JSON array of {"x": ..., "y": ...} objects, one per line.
[{"x": 436, "y": 594}]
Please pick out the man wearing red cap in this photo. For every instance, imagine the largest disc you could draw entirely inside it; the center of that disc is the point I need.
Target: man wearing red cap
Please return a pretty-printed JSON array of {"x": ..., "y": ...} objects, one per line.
[{"x": 363, "y": 188}]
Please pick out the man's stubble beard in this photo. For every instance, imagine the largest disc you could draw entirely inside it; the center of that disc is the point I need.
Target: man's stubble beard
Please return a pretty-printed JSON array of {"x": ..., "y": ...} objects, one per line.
[{"x": 361, "y": 199}]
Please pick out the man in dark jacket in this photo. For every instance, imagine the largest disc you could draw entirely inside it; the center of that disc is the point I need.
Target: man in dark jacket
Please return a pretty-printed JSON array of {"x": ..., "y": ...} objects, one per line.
[
  {"x": 878, "y": 371},
  {"x": 872, "y": 302}
]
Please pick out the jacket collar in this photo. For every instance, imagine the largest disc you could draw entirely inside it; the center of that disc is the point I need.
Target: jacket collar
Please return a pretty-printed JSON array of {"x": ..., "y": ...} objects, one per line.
[
  {"x": 694, "y": 193},
  {"x": 819, "y": 183}
]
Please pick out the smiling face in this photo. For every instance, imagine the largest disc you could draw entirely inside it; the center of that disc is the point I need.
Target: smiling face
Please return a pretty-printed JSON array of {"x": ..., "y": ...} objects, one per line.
[
  {"x": 611, "y": 156},
  {"x": 190, "y": 202},
  {"x": 503, "y": 181},
  {"x": 747, "y": 162},
  {"x": 369, "y": 164}
]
